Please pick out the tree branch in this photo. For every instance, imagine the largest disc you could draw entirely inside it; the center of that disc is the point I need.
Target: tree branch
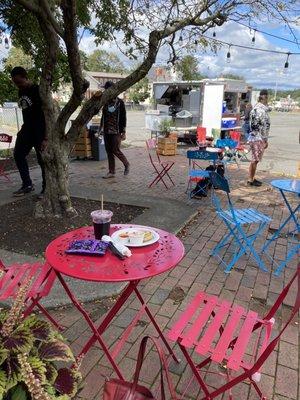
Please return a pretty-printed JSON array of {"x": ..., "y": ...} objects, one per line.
[
  {"x": 80, "y": 85},
  {"x": 29, "y": 5},
  {"x": 43, "y": 11},
  {"x": 50, "y": 16},
  {"x": 93, "y": 105}
]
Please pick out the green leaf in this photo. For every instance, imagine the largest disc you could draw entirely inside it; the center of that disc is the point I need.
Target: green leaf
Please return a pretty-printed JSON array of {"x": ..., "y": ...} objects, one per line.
[
  {"x": 3, "y": 382},
  {"x": 51, "y": 373},
  {"x": 13, "y": 372},
  {"x": 18, "y": 393},
  {"x": 21, "y": 340},
  {"x": 3, "y": 355},
  {"x": 38, "y": 368},
  {"x": 55, "y": 351},
  {"x": 41, "y": 330}
]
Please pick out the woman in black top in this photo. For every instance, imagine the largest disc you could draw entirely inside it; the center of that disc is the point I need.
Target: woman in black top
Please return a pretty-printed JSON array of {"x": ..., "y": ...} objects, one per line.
[{"x": 113, "y": 126}]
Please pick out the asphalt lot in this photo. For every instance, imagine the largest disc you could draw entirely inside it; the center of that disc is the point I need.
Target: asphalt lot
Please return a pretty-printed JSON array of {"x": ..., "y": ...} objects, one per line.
[{"x": 281, "y": 157}]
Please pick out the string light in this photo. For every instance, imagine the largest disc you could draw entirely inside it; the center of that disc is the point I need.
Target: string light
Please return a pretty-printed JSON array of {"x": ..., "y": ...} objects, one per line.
[
  {"x": 228, "y": 56},
  {"x": 286, "y": 65},
  {"x": 196, "y": 42},
  {"x": 180, "y": 39},
  {"x": 253, "y": 38},
  {"x": 6, "y": 43}
]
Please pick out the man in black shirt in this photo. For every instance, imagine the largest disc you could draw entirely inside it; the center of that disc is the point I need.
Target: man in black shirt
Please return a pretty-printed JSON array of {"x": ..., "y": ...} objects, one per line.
[
  {"x": 32, "y": 133},
  {"x": 113, "y": 126}
]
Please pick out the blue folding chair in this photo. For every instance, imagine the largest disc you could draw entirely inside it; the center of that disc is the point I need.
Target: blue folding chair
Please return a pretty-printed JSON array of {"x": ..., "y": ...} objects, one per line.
[
  {"x": 196, "y": 172},
  {"x": 229, "y": 147},
  {"x": 236, "y": 220}
]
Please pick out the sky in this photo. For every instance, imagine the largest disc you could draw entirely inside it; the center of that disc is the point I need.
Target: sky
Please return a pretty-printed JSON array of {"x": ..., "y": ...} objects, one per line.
[{"x": 260, "y": 69}]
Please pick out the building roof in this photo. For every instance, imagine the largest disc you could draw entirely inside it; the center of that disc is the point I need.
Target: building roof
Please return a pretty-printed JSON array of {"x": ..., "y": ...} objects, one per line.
[{"x": 96, "y": 74}]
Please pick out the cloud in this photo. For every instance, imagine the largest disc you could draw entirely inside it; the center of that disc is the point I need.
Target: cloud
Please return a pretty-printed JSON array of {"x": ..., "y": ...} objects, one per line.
[{"x": 260, "y": 69}]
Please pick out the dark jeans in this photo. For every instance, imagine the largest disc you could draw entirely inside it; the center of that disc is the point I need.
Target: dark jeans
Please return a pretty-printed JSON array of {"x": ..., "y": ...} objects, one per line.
[
  {"x": 112, "y": 147},
  {"x": 24, "y": 144}
]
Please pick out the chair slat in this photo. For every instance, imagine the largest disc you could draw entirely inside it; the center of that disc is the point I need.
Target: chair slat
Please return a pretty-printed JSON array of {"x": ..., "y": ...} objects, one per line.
[
  {"x": 243, "y": 339},
  {"x": 220, "y": 350},
  {"x": 13, "y": 283},
  {"x": 40, "y": 272},
  {"x": 192, "y": 334},
  {"x": 253, "y": 214},
  {"x": 241, "y": 215},
  {"x": 186, "y": 316},
  {"x": 205, "y": 342}
]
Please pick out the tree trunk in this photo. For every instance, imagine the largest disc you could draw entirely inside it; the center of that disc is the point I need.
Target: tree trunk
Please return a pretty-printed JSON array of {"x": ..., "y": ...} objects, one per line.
[{"x": 56, "y": 199}]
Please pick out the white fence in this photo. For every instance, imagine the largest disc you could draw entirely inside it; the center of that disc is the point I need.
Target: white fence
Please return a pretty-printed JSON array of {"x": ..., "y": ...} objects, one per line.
[{"x": 11, "y": 116}]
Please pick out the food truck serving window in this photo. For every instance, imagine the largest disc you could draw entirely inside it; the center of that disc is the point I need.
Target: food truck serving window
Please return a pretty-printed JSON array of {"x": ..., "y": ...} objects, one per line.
[{"x": 159, "y": 91}]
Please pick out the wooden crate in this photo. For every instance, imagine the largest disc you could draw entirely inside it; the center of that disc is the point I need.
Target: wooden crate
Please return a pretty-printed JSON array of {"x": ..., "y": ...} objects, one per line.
[
  {"x": 83, "y": 146},
  {"x": 167, "y": 146}
]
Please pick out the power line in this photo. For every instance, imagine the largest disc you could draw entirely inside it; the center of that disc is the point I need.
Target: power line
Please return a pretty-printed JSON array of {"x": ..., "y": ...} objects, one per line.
[
  {"x": 266, "y": 33},
  {"x": 251, "y": 47}
]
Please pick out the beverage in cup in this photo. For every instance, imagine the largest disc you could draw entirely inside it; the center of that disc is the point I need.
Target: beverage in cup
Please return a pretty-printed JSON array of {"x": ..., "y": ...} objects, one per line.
[{"x": 101, "y": 220}]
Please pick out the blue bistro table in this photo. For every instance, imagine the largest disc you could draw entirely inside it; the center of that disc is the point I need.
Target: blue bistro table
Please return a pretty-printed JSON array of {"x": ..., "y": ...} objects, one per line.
[{"x": 287, "y": 186}]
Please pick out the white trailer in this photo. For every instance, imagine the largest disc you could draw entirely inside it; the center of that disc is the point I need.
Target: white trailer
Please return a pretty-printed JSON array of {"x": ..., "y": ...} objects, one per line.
[{"x": 210, "y": 103}]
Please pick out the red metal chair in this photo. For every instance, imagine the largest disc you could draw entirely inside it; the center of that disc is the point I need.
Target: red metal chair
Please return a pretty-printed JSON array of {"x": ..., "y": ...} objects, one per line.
[
  {"x": 12, "y": 277},
  {"x": 201, "y": 136},
  {"x": 161, "y": 168},
  {"x": 241, "y": 151},
  {"x": 4, "y": 138},
  {"x": 213, "y": 327}
]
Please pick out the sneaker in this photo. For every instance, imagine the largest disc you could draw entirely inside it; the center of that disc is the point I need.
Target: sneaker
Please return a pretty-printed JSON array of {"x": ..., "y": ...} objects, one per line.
[
  {"x": 255, "y": 182},
  {"x": 108, "y": 175},
  {"x": 126, "y": 170},
  {"x": 23, "y": 190}
]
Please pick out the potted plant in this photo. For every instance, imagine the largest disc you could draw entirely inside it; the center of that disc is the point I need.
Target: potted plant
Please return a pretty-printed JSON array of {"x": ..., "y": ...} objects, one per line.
[
  {"x": 166, "y": 145},
  {"x": 29, "y": 350}
]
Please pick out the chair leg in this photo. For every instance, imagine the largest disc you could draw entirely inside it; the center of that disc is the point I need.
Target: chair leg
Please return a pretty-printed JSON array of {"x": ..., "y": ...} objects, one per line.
[
  {"x": 48, "y": 315},
  {"x": 195, "y": 372}
]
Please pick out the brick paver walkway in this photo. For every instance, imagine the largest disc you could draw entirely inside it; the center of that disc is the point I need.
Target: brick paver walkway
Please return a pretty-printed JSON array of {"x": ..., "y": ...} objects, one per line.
[{"x": 245, "y": 285}]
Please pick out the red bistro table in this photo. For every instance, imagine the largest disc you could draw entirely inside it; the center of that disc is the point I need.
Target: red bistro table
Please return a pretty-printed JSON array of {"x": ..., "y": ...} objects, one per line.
[{"x": 145, "y": 262}]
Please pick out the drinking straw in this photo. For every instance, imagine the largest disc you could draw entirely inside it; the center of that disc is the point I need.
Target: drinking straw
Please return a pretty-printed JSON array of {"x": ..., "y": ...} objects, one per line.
[{"x": 101, "y": 202}]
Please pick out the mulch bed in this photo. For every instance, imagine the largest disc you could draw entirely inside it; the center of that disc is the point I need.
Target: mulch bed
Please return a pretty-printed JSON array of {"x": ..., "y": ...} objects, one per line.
[{"x": 22, "y": 233}]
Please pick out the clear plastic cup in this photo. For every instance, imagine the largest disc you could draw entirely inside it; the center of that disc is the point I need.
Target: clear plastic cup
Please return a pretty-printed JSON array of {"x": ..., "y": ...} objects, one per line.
[{"x": 101, "y": 220}]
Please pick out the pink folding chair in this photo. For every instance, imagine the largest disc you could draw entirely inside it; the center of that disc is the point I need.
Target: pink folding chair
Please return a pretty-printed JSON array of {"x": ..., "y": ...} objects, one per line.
[
  {"x": 43, "y": 277},
  {"x": 4, "y": 138},
  {"x": 161, "y": 168},
  {"x": 201, "y": 136},
  {"x": 224, "y": 333}
]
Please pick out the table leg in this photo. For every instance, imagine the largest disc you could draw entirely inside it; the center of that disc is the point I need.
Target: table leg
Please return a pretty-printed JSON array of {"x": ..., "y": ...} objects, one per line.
[
  {"x": 97, "y": 335},
  {"x": 291, "y": 216},
  {"x": 139, "y": 296}
]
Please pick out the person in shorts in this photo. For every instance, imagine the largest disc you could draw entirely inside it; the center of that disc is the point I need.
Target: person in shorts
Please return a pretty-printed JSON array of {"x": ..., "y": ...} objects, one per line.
[{"x": 259, "y": 133}]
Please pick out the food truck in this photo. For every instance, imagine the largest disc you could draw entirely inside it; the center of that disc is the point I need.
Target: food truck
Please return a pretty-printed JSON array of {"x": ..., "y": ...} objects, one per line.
[{"x": 211, "y": 103}]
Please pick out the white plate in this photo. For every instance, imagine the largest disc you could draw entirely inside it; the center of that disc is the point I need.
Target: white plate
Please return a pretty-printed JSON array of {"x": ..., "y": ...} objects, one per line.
[{"x": 115, "y": 236}]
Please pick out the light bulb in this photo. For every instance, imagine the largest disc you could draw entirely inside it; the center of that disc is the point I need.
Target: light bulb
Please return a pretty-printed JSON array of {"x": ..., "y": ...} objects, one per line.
[
  {"x": 214, "y": 34},
  {"x": 180, "y": 38},
  {"x": 286, "y": 64},
  {"x": 228, "y": 56},
  {"x": 6, "y": 43},
  {"x": 196, "y": 43},
  {"x": 253, "y": 39}
]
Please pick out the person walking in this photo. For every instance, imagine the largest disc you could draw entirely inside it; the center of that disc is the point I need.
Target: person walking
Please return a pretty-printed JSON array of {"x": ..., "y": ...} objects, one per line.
[
  {"x": 33, "y": 131},
  {"x": 246, "y": 124},
  {"x": 113, "y": 126},
  {"x": 259, "y": 133}
]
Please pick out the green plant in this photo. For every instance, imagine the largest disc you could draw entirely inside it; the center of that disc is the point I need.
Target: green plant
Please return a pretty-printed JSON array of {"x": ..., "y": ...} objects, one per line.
[
  {"x": 29, "y": 350},
  {"x": 165, "y": 127}
]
